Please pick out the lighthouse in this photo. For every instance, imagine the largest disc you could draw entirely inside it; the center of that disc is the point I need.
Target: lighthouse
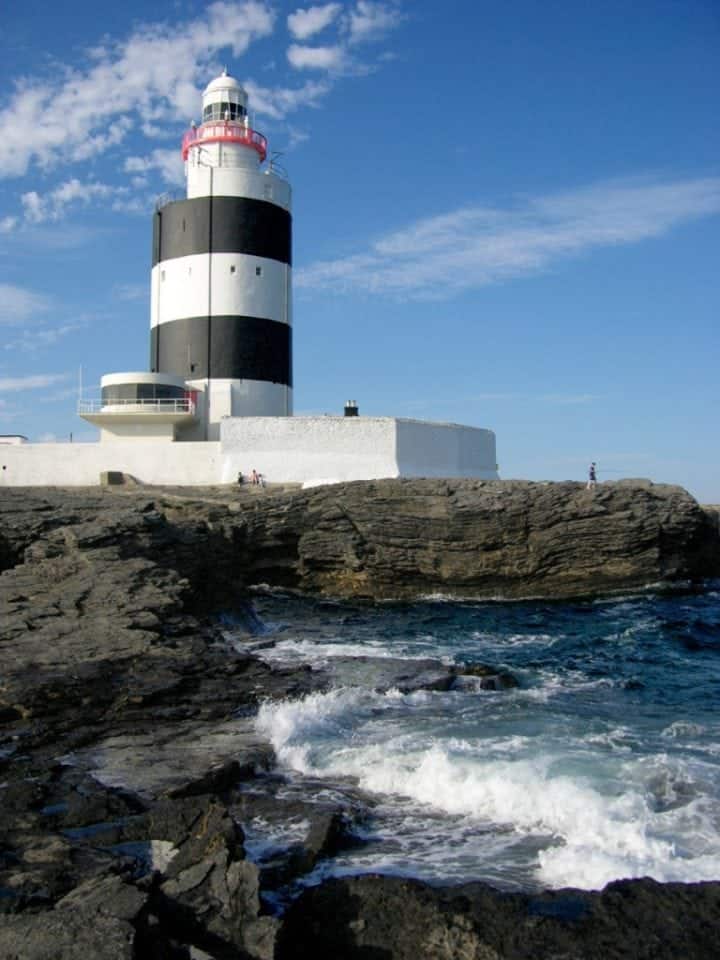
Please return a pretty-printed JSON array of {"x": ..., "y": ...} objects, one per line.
[
  {"x": 221, "y": 270},
  {"x": 221, "y": 349}
]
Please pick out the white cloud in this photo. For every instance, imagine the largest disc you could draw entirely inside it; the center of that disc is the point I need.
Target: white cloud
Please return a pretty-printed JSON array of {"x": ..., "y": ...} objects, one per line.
[
  {"x": 8, "y": 224},
  {"x": 306, "y": 23},
  {"x": 168, "y": 162},
  {"x": 52, "y": 205},
  {"x": 36, "y": 381},
  {"x": 278, "y": 102},
  {"x": 437, "y": 257},
  {"x": 157, "y": 71},
  {"x": 18, "y": 304},
  {"x": 368, "y": 20},
  {"x": 36, "y": 339},
  {"x": 132, "y": 291},
  {"x": 296, "y": 137},
  {"x": 316, "y": 58}
]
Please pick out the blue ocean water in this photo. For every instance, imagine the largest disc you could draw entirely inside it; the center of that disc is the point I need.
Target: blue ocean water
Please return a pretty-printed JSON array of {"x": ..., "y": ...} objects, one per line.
[{"x": 604, "y": 762}]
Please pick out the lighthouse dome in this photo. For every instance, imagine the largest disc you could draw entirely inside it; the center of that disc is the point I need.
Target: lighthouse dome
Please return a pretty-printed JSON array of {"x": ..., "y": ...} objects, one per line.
[
  {"x": 224, "y": 99},
  {"x": 223, "y": 82}
]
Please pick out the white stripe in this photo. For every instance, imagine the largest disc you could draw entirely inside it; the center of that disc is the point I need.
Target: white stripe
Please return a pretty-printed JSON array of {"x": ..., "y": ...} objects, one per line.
[{"x": 206, "y": 284}]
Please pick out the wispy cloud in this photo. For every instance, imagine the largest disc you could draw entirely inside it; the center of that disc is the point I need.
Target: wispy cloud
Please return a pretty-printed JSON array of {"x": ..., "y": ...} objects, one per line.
[
  {"x": 38, "y": 338},
  {"x": 157, "y": 71},
  {"x": 305, "y": 23},
  {"x": 51, "y": 206},
  {"x": 363, "y": 22},
  {"x": 437, "y": 257},
  {"x": 36, "y": 381},
  {"x": 278, "y": 102},
  {"x": 168, "y": 162},
  {"x": 368, "y": 20},
  {"x": 17, "y": 304},
  {"x": 316, "y": 58},
  {"x": 131, "y": 292}
]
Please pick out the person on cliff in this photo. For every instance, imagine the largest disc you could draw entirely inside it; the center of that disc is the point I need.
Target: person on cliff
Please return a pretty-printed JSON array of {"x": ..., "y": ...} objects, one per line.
[{"x": 592, "y": 476}]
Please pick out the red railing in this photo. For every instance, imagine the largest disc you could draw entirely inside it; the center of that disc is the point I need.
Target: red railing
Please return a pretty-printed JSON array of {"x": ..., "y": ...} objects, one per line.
[{"x": 224, "y": 131}]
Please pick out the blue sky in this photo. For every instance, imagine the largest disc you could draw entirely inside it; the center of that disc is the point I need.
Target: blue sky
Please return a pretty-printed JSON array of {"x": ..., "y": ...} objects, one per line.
[{"x": 505, "y": 214}]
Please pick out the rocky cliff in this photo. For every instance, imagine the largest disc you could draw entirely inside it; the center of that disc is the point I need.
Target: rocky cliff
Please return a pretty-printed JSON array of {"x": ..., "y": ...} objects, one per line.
[
  {"x": 381, "y": 539},
  {"x": 464, "y": 538},
  {"x": 128, "y": 757}
]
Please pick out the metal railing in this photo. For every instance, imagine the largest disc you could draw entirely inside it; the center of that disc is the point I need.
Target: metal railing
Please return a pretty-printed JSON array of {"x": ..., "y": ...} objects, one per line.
[
  {"x": 183, "y": 405},
  {"x": 224, "y": 131}
]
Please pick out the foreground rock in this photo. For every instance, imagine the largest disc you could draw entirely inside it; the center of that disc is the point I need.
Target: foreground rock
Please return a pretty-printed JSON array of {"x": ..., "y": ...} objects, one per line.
[
  {"x": 378, "y": 918},
  {"x": 128, "y": 757}
]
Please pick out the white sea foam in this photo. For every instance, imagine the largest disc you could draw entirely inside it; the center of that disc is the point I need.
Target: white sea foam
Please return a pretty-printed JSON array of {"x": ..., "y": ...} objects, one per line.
[
  {"x": 548, "y": 683},
  {"x": 596, "y": 826},
  {"x": 320, "y": 653},
  {"x": 683, "y": 728},
  {"x": 515, "y": 639}
]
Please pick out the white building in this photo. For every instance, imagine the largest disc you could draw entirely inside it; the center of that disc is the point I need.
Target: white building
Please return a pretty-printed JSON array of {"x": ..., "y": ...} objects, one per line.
[{"x": 218, "y": 397}]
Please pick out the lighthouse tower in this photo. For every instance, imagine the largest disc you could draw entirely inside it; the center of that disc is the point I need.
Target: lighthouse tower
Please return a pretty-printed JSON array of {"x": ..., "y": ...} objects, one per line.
[{"x": 221, "y": 273}]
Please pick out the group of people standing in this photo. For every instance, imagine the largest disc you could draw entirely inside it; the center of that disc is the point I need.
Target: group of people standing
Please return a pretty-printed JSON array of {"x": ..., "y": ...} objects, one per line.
[{"x": 256, "y": 479}]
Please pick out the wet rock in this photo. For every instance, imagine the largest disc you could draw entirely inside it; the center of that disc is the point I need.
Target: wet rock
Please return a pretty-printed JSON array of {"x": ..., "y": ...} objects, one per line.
[
  {"x": 384, "y": 917},
  {"x": 66, "y": 936},
  {"x": 125, "y": 713},
  {"x": 385, "y": 673},
  {"x": 96, "y": 919},
  {"x": 208, "y": 889},
  {"x": 490, "y": 678},
  {"x": 293, "y": 825}
]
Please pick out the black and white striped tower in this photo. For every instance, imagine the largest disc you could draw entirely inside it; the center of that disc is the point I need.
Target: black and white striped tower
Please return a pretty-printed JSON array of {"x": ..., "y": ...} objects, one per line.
[{"x": 221, "y": 296}]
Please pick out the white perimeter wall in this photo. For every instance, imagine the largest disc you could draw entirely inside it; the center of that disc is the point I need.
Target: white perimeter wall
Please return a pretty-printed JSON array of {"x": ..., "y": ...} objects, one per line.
[
  {"x": 314, "y": 450},
  {"x": 80, "y": 464},
  {"x": 445, "y": 450},
  {"x": 309, "y": 450},
  {"x": 306, "y": 450}
]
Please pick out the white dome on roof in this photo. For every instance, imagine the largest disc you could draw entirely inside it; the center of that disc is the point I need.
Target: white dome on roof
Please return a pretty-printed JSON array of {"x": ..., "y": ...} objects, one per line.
[{"x": 223, "y": 82}]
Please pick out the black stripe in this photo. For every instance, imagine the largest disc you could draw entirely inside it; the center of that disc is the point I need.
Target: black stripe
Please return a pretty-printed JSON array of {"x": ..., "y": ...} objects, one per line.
[
  {"x": 222, "y": 225},
  {"x": 236, "y": 348}
]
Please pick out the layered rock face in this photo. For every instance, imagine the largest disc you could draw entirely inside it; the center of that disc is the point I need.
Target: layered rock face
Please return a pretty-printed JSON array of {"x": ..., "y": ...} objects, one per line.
[
  {"x": 383, "y": 539},
  {"x": 465, "y": 538},
  {"x": 128, "y": 757}
]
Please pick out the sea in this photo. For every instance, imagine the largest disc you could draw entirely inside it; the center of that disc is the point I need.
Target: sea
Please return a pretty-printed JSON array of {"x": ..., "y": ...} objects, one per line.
[{"x": 603, "y": 763}]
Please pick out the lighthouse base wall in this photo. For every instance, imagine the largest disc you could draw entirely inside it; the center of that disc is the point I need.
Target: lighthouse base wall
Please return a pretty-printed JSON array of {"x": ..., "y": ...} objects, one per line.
[
  {"x": 80, "y": 464},
  {"x": 315, "y": 450},
  {"x": 300, "y": 450}
]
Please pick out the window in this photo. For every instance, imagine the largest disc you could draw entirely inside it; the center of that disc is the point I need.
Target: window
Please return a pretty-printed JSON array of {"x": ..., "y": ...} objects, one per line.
[
  {"x": 223, "y": 110},
  {"x": 258, "y": 271},
  {"x": 162, "y": 276},
  {"x": 232, "y": 268}
]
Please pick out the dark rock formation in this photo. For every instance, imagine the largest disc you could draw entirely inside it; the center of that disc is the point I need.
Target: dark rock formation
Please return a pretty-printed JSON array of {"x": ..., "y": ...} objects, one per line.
[
  {"x": 375, "y": 539},
  {"x": 466, "y": 538},
  {"x": 128, "y": 757},
  {"x": 384, "y": 918}
]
